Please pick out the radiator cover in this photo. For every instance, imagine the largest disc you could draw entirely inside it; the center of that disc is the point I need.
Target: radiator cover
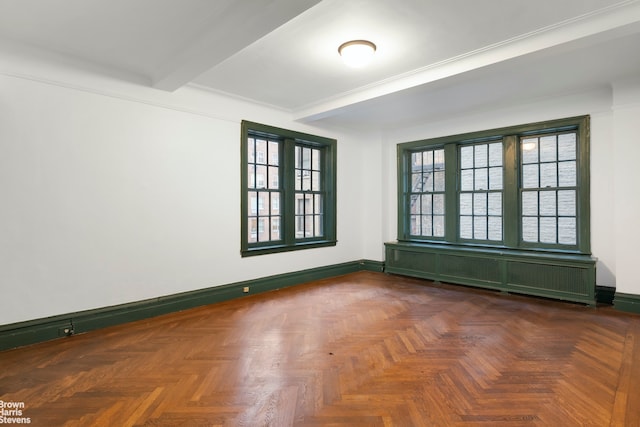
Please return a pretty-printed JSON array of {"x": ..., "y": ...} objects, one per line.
[{"x": 569, "y": 277}]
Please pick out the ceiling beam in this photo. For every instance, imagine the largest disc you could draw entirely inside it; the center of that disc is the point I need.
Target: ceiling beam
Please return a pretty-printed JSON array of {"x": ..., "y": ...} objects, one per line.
[{"x": 244, "y": 23}]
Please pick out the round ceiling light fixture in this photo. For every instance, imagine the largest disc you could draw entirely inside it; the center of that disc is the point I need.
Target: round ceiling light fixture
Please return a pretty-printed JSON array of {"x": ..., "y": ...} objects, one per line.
[{"x": 357, "y": 53}]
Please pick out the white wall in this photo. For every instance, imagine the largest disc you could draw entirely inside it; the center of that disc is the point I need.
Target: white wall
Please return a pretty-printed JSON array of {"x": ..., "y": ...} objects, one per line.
[
  {"x": 626, "y": 173},
  {"x": 597, "y": 103},
  {"x": 126, "y": 193},
  {"x": 113, "y": 192}
]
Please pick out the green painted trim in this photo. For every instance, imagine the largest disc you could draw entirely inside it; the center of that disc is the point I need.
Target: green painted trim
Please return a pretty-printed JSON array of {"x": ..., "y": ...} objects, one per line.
[
  {"x": 287, "y": 140},
  {"x": 512, "y": 233},
  {"x": 39, "y": 330},
  {"x": 627, "y": 302},
  {"x": 567, "y": 276},
  {"x": 369, "y": 265},
  {"x": 605, "y": 294}
]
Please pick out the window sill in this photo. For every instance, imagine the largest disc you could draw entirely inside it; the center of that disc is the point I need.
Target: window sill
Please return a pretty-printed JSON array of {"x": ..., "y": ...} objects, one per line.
[{"x": 264, "y": 250}]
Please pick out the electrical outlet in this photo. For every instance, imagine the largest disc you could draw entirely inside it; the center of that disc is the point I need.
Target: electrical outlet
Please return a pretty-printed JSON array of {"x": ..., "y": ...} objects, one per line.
[
  {"x": 65, "y": 331},
  {"x": 245, "y": 289}
]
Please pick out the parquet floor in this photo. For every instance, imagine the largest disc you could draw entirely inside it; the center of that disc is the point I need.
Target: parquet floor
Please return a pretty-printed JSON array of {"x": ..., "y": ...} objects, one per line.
[{"x": 365, "y": 349}]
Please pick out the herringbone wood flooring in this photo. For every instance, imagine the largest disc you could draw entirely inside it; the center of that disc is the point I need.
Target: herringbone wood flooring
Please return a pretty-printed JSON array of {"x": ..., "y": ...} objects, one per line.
[{"x": 366, "y": 349}]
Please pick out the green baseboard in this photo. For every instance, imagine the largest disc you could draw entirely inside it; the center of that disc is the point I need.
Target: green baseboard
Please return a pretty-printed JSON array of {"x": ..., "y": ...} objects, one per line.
[
  {"x": 39, "y": 330},
  {"x": 627, "y": 302},
  {"x": 605, "y": 294}
]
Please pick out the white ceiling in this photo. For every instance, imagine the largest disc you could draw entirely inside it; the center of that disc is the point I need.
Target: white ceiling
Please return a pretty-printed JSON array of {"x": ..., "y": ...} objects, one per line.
[{"x": 435, "y": 58}]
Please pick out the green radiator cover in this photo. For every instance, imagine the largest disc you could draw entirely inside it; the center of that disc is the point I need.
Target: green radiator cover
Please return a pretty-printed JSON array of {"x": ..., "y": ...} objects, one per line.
[{"x": 569, "y": 277}]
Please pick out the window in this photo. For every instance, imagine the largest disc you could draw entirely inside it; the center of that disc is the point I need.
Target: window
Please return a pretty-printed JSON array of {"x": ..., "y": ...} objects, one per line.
[
  {"x": 480, "y": 192},
  {"x": 524, "y": 187},
  {"x": 288, "y": 190},
  {"x": 427, "y": 193}
]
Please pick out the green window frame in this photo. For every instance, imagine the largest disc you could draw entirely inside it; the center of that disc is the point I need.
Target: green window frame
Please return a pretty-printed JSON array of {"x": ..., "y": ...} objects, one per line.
[
  {"x": 288, "y": 182},
  {"x": 522, "y": 187}
]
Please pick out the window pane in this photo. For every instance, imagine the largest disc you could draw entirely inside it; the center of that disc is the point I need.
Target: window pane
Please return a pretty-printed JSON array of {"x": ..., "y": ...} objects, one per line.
[
  {"x": 414, "y": 204},
  {"x": 274, "y": 157},
  {"x": 261, "y": 151},
  {"x": 548, "y": 203},
  {"x": 567, "y": 174},
  {"x": 427, "y": 161},
  {"x": 567, "y": 202},
  {"x": 263, "y": 203},
  {"x": 495, "y": 228},
  {"x": 548, "y": 230},
  {"x": 466, "y": 227},
  {"x": 261, "y": 177},
  {"x": 530, "y": 176},
  {"x": 317, "y": 225},
  {"x": 548, "y": 149},
  {"x": 529, "y": 150},
  {"x": 479, "y": 203},
  {"x": 253, "y": 230},
  {"x": 306, "y": 180},
  {"x": 315, "y": 181},
  {"x": 466, "y": 180},
  {"x": 273, "y": 177},
  {"x": 530, "y": 229},
  {"x": 315, "y": 159},
  {"x": 481, "y": 179},
  {"x": 298, "y": 183},
  {"x": 252, "y": 198},
  {"x": 495, "y": 204},
  {"x": 438, "y": 204},
  {"x": 495, "y": 178},
  {"x": 416, "y": 182},
  {"x": 530, "y": 203},
  {"x": 414, "y": 224},
  {"x": 427, "y": 181},
  {"x": 251, "y": 150},
  {"x": 567, "y": 146},
  {"x": 427, "y": 225},
  {"x": 275, "y": 203},
  {"x": 466, "y": 157},
  {"x": 548, "y": 175},
  {"x": 466, "y": 204},
  {"x": 438, "y": 182},
  {"x": 495, "y": 154},
  {"x": 427, "y": 204},
  {"x": 438, "y": 159},
  {"x": 298, "y": 157},
  {"x": 299, "y": 204},
  {"x": 416, "y": 161},
  {"x": 480, "y": 156},
  {"x": 567, "y": 231},
  {"x": 480, "y": 227},
  {"x": 251, "y": 178},
  {"x": 438, "y": 225},
  {"x": 317, "y": 204},
  {"x": 275, "y": 228},
  {"x": 306, "y": 158}
]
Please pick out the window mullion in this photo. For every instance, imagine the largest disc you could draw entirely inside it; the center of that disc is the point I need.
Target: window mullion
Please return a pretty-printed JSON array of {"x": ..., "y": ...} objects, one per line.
[
  {"x": 511, "y": 194},
  {"x": 451, "y": 192},
  {"x": 288, "y": 189}
]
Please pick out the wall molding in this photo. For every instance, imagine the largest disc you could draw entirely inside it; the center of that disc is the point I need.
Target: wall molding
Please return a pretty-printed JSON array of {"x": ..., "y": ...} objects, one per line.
[
  {"x": 627, "y": 302},
  {"x": 44, "y": 329}
]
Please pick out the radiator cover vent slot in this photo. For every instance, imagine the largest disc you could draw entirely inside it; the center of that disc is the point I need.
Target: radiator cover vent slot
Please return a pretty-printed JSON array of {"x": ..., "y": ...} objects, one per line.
[{"x": 552, "y": 277}]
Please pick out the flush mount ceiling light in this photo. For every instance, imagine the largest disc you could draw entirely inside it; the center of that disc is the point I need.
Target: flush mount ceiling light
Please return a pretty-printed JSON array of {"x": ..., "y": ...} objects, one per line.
[{"x": 357, "y": 53}]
